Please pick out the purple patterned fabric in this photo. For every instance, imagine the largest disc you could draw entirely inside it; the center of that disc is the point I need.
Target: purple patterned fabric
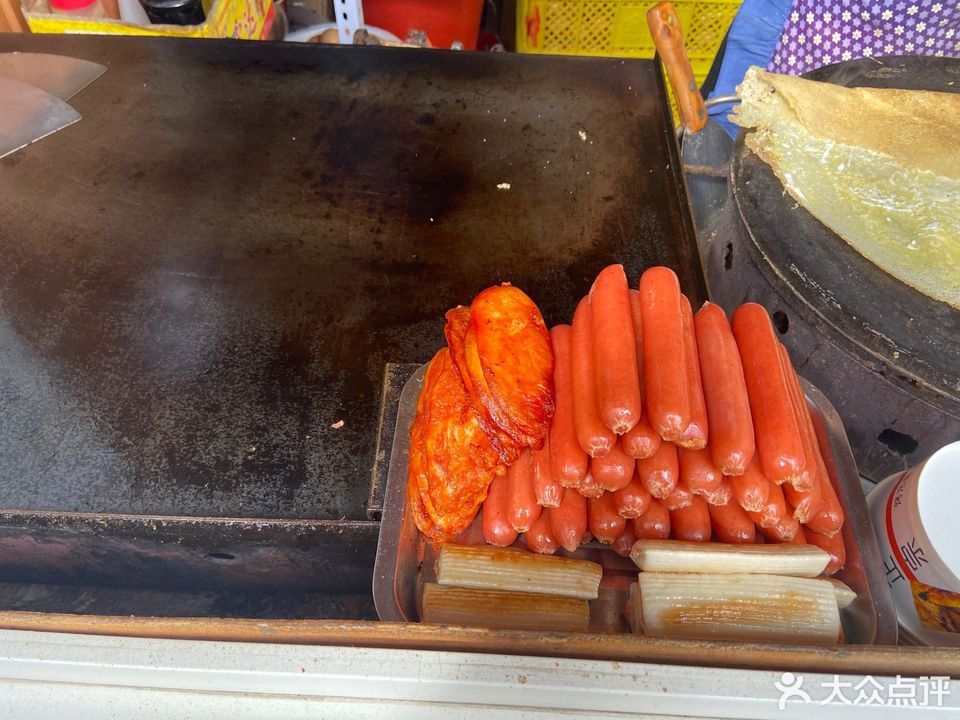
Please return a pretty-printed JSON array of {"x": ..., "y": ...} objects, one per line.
[{"x": 820, "y": 32}]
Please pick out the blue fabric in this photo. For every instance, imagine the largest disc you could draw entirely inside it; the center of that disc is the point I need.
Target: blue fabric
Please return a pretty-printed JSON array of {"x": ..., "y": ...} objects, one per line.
[{"x": 754, "y": 34}]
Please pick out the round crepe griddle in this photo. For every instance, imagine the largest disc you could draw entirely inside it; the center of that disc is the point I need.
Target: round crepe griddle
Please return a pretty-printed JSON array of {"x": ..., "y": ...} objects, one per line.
[{"x": 912, "y": 338}]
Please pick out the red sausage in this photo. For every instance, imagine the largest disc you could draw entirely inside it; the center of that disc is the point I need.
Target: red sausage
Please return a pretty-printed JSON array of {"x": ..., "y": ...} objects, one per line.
[
  {"x": 805, "y": 494},
  {"x": 721, "y": 496},
  {"x": 692, "y": 522},
  {"x": 698, "y": 471},
  {"x": 567, "y": 458},
  {"x": 522, "y": 507},
  {"x": 725, "y": 391},
  {"x": 660, "y": 473},
  {"x": 807, "y": 504},
  {"x": 680, "y": 497},
  {"x": 604, "y": 521},
  {"x": 615, "y": 351},
  {"x": 829, "y": 517},
  {"x": 643, "y": 441},
  {"x": 774, "y": 510},
  {"x": 545, "y": 485},
  {"x": 664, "y": 374},
  {"x": 731, "y": 524},
  {"x": 539, "y": 538},
  {"x": 834, "y": 546},
  {"x": 751, "y": 489},
  {"x": 568, "y": 521},
  {"x": 614, "y": 470},
  {"x": 783, "y": 531},
  {"x": 777, "y": 434},
  {"x": 634, "y": 499},
  {"x": 497, "y": 529},
  {"x": 589, "y": 487},
  {"x": 654, "y": 524},
  {"x": 695, "y": 434},
  {"x": 806, "y": 479},
  {"x": 594, "y": 437},
  {"x": 801, "y": 537},
  {"x": 624, "y": 544}
]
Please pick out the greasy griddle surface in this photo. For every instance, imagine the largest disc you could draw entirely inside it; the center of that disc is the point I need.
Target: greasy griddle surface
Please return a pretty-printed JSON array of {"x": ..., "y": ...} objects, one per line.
[{"x": 215, "y": 264}]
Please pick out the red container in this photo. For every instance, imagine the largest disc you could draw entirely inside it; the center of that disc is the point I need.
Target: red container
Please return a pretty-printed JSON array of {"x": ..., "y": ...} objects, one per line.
[{"x": 444, "y": 21}]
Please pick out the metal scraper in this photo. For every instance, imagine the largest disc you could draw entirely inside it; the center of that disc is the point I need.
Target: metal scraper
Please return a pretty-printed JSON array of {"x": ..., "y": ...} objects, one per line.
[
  {"x": 57, "y": 74},
  {"x": 29, "y": 114}
]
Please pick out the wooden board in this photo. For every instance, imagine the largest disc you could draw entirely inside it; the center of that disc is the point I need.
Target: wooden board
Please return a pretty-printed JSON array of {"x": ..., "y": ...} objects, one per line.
[{"x": 886, "y": 660}]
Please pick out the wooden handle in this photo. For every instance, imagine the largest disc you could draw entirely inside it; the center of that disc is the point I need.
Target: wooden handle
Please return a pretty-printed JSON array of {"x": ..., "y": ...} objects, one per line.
[{"x": 668, "y": 38}]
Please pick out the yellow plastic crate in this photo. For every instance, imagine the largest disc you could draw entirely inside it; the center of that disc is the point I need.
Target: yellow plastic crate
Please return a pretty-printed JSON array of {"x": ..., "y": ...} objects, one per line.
[{"x": 618, "y": 28}]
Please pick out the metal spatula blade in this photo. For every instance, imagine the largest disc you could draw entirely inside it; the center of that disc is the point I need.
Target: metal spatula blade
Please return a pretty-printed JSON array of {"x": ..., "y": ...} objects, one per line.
[
  {"x": 29, "y": 114},
  {"x": 57, "y": 74}
]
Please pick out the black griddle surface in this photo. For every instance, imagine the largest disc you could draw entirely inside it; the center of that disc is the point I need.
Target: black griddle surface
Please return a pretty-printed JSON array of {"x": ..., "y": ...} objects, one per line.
[{"x": 211, "y": 270}]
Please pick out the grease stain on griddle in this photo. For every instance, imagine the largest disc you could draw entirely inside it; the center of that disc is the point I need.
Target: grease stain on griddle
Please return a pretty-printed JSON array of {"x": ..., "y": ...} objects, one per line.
[{"x": 145, "y": 349}]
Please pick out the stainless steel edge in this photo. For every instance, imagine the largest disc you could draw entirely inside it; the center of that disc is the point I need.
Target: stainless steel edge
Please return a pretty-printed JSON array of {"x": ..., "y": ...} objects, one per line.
[{"x": 864, "y": 571}]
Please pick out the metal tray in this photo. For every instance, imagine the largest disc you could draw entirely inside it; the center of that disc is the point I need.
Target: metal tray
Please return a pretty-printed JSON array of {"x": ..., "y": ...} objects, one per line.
[{"x": 405, "y": 559}]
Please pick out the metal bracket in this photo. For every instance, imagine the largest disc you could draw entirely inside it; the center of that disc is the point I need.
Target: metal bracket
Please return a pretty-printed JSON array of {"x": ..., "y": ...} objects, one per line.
[{"x": 349, "y": 17}]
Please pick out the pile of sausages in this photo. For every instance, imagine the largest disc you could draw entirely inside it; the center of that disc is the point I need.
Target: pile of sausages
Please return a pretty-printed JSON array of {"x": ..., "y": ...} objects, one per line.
[{"x": 668, "y": 424}]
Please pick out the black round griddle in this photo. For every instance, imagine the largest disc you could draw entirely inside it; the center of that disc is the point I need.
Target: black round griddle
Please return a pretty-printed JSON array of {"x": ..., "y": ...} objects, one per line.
[{"x": 888, "y": 355}]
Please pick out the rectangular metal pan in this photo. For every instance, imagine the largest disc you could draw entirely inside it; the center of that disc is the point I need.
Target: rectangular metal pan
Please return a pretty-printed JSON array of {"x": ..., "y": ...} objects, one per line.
[{"x": 405, "y": 559}]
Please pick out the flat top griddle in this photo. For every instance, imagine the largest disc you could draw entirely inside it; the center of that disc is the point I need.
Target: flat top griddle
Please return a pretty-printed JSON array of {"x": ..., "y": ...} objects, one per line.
[
  {"x": 210, "y": 271},
  {"x": 911, "y": 337}
]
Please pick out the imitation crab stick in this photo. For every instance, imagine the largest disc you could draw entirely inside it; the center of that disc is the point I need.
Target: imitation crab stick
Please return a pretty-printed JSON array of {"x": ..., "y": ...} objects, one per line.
[
  {"x": 664, "y": 375},
  {"x": 695, "y": 434},
  {"x": 567, "y": 458},
  {"x": 717, "y": 558},
  {"x": 777, "y": 433},
  {"x": 449, "y": 605},
  {"x": 732, "y": 442},
  {"x": 594, "y": 437},
  {"x": 615, "y": 351},
  {"x": 487, "y": 568}
]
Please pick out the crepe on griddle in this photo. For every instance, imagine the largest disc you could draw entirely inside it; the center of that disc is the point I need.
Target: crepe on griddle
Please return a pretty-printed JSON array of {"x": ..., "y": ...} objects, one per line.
[{"x": 879, "y": 167}]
